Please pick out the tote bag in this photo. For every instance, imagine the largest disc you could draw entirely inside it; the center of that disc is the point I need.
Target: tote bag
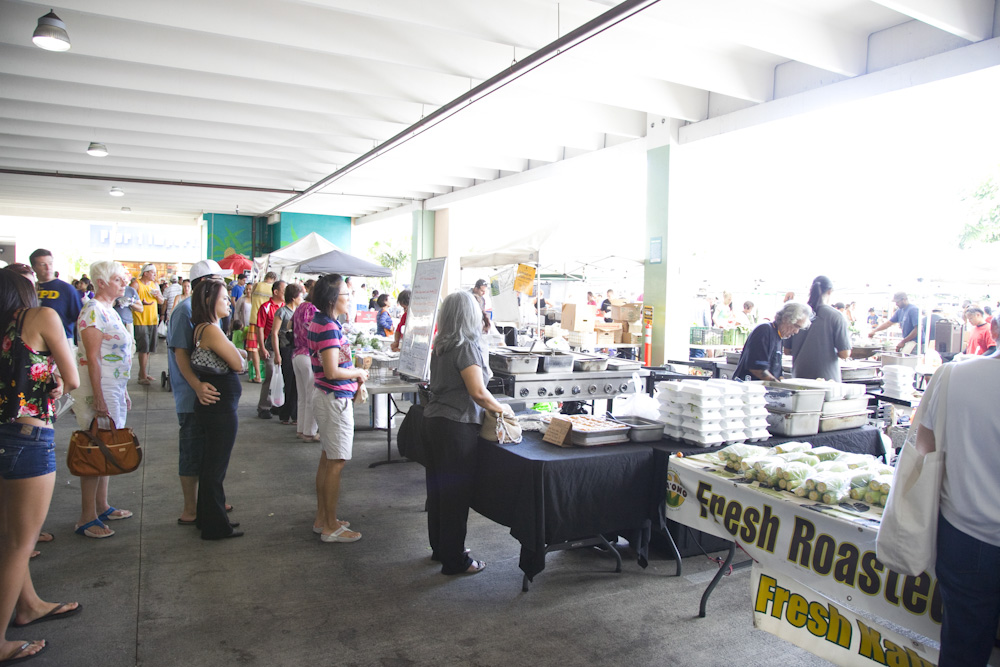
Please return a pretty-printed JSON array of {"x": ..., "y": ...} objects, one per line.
[{"x": 907, "y": 539}]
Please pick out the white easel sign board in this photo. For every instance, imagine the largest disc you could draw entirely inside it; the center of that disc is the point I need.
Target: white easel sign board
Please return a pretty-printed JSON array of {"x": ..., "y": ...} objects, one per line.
[{"x": 421, "y": 318}]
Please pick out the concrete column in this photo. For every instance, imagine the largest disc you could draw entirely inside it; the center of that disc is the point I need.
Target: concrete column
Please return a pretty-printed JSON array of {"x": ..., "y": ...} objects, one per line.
[
  {"x": 664, "y": 288},
  {"x": 423, "y": 238},
  {"x": 444, "y": 246}
]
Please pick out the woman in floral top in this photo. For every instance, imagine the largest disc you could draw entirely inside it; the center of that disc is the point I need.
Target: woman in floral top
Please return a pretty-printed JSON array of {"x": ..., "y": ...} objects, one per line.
[
  {"x": 105, "y": 356},
  {"x": 33, "y": 345}
]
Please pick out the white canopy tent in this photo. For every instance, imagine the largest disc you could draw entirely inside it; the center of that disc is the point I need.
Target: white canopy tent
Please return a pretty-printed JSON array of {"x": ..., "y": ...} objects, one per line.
[{"x": 285, "y": 260}]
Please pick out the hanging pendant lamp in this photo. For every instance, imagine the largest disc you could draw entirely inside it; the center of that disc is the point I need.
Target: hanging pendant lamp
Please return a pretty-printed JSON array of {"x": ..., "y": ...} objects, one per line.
[{"x": 51, "y": 33}]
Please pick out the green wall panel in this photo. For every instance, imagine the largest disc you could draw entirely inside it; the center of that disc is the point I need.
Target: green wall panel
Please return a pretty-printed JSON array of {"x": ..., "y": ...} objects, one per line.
[{"x": 294, "y": 226}]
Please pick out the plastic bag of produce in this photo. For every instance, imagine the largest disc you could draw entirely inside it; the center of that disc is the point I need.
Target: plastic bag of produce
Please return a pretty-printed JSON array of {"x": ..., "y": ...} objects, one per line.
[
  {"x": 736, "y": 453},
  {"x": 831, "y": 466},
  {"x": 788, "y": 447},
  {"x": 826, "y": 453},
  {"x": 831, "y": 488},
  {"x": 792, "y": 475},
  {"x": 856, "y": 461},
  {"x": 801, "y": 457}
]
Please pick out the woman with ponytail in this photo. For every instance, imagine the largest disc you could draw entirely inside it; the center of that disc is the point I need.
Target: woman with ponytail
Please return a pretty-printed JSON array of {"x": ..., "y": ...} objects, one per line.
[{"x": 817, "y": 351}]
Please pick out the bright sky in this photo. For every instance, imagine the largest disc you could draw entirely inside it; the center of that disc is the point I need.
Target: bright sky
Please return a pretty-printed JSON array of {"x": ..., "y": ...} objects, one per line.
[{"x": 869, "y": 193}]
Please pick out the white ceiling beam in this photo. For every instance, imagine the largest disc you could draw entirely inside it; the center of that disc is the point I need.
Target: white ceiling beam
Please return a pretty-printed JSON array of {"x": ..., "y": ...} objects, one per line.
[
  {"x": 969, "y": 19},
  {"x": 770, "y": 28},
  {"x": 609, "y": 85},
  {"x": 116, "y": 39},
  {"x": 24, "y": 61},
  {"x": 191, "y": 108},
  {"x": 330, "y": 32},
  {"x": 98, "y": 119}
]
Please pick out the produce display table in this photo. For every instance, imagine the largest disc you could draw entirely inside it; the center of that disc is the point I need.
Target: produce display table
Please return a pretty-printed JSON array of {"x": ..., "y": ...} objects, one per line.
[
  {"x": 862, "y": 440},
  {"x": 550, "y": 496},
  {"x": 816, "y": 580}
]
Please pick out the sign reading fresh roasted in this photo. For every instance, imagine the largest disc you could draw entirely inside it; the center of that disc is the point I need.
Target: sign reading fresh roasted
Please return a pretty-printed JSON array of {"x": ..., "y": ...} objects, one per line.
[{"x": 828, "y": 549}]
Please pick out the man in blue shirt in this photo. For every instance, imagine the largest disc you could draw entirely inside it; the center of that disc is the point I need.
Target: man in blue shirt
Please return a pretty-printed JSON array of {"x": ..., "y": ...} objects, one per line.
[
  {"x": 187, "y": 389},
  {"x": 56, "y": 294},
  {"x": 907, "y": 315}
]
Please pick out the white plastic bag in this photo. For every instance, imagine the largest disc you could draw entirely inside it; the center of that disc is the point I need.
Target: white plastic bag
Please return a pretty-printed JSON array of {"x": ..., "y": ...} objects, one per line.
[
  {"x": 639, "y": 403},
  {"x": 277, "y": 388}
]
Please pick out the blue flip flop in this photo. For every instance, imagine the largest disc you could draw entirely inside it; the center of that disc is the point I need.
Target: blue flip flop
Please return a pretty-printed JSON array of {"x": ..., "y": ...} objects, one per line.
[
  {"x": 96, "y": 523},
  {"x": 106, "y": 515}
]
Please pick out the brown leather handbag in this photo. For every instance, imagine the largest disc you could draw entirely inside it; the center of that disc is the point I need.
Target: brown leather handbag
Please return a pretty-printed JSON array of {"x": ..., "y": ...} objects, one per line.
[{"x": 101, "y": 451}]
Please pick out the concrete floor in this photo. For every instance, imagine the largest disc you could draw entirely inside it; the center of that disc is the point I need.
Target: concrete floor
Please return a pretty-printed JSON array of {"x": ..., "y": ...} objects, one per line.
[{"x": 155, "y": 594}]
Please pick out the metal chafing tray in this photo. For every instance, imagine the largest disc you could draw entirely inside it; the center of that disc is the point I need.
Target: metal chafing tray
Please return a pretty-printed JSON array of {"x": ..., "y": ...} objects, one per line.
[
  {"x": 589, "y": 363},
  {"x": 507, "y": 361},
  {"x": 549, "y": 361}
]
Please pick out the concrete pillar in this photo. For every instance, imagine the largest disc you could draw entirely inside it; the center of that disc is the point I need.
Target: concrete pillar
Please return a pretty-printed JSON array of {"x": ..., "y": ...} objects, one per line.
[
  {"x": 423, "y": 237},
  {"x": 663, "y": 286},
  {"x": 444, "y": 246}
]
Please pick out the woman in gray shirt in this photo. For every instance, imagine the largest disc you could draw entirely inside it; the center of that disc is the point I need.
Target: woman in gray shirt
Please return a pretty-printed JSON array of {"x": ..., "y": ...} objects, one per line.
[
  {"x": 452, "y": 420},
  {"x": 816, "y": 352}
]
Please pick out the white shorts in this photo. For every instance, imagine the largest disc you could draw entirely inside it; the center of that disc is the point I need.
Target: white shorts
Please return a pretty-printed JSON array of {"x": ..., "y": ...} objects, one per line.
[
  {"x": 335, "y": 417},
  {"x": 114, "y": 396}
]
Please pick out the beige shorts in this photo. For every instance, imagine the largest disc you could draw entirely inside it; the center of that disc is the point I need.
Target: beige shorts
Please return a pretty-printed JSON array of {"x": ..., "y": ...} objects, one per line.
[{"x": 335, "y": 417}]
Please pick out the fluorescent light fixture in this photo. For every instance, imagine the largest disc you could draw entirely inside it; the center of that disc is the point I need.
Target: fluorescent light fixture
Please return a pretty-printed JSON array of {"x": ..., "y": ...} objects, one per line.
[
  {"x": 51, "y": 33},
  {"x": 97, "y": 150},
  {"x": 116, "y": 191},
  {"x": 126, "y": 209}
]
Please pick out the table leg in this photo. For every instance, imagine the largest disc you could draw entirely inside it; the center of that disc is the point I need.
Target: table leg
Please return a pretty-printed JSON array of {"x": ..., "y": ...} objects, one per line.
[
  {"x": 391, "y": 410},
  {"x": 715, "y": 580}
]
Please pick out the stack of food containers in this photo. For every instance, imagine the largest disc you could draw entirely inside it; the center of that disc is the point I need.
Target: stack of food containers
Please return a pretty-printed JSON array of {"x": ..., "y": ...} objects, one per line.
[
  {"x": 897, "y": 381},
  {"x": 713, "y": 412}
]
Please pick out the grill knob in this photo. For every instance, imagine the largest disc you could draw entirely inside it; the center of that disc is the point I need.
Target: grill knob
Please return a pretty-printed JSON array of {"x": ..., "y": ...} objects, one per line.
[
  {"x": 592, "y": 389},
  {"x": 541, "y": 391},
  {"x": 559, "y": 391},
  {"x": 524, "y": 392},
  {"x": 576, "y": 389},
  {"x": 608, "y": 389},
  {"x": 624, "y": 387}
]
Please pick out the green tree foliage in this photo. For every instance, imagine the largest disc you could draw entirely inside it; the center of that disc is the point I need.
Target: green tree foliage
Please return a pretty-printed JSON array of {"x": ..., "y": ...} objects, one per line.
[
  {"x": 386, "y": 254},
  {"x": 985, "y": 205}
]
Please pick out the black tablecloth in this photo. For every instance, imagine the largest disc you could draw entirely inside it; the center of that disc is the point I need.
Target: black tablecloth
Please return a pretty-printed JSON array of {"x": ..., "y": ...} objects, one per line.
[{"x": 548, "y": 494}]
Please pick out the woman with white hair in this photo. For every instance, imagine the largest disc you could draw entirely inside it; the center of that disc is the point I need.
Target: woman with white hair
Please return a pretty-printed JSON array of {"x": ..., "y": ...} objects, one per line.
[
  {"x": 761, "y": 358},
  {"x": 452, "y": 421},
  {"x": 105, "y": 359}
]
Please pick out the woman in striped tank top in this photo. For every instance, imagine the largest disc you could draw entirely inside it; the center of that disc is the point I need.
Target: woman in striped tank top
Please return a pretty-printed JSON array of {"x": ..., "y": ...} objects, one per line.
[{"x": 336, "y": 381}]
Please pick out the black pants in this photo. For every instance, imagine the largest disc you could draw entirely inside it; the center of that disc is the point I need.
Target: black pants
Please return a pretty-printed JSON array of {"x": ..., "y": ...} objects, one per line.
[
  {"x": 290, "y": 410},
  {"x": 451, "y": 470},
  {"x": 219, "y": 423}
]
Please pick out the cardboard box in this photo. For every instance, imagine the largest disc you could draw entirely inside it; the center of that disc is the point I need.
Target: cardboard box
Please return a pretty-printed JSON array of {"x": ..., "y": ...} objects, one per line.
[
  {"x": 635, "y": 339},
  {"x": 578, "y": 317},
  {"x": 626, "y": 312},
  {"x": 615, "y": 329}
]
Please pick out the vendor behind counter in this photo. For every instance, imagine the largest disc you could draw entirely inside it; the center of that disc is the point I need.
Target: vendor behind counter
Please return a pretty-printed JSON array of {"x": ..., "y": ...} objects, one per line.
[{"x": 761, "y": 357}]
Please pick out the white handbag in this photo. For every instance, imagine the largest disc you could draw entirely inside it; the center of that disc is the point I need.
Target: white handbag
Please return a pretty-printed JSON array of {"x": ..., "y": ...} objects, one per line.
[{"x": 907, "y": 538}]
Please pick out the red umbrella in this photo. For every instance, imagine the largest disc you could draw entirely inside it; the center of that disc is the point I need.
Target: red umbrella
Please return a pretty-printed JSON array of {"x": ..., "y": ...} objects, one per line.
[{"x": 238, "y": 263}]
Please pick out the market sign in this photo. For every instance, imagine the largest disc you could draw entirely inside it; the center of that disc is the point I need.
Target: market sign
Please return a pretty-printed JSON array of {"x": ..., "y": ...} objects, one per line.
[
  {"x": 524, "y": 282},
  {"x": 814, "y": 622},
  {"x": 829, "y": 549}
]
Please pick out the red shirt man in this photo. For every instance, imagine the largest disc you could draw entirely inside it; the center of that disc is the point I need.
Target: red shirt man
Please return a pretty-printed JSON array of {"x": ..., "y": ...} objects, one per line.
[
  {"x": 265, "y": 316},
  {"x": 981, "y": 339}
]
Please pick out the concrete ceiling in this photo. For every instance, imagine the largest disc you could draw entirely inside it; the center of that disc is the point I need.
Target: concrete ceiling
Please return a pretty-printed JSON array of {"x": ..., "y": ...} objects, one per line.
[{"x": 206, "y": 106}]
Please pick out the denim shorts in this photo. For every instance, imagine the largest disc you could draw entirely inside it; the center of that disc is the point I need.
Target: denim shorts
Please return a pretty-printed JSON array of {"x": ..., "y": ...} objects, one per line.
[
  {"x": 191, "y": 441},
  {"x": 26, "y": 451}
]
